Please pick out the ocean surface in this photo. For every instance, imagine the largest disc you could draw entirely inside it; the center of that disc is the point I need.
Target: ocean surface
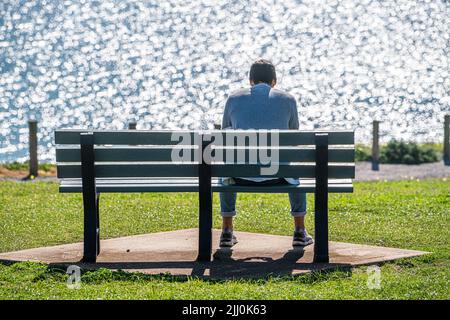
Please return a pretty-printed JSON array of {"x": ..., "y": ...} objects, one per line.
[{"x": 172, "y": 64}]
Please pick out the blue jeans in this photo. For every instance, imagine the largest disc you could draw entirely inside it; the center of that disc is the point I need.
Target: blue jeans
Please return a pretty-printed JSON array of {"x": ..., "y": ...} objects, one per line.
[{"x": 228, "y": 199}]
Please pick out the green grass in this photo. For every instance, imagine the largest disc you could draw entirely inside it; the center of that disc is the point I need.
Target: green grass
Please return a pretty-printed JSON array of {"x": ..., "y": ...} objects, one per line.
[
  {"x": 403, "y": 214},
  {"x": 23, "y": 166}
]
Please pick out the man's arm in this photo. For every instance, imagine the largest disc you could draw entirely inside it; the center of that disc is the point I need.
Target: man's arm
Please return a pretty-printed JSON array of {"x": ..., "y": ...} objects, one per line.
[
  {"x": 293, "y": 121},
  {"x": 226, "y": 119}
]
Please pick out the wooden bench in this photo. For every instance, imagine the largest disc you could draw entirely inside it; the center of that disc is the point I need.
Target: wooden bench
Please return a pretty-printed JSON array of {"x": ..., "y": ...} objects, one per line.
[{"x": 94, "y": 162}]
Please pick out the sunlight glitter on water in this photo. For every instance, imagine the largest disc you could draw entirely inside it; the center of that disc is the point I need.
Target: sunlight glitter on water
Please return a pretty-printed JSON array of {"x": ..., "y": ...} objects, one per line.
[{"x": 171, "y": 64}]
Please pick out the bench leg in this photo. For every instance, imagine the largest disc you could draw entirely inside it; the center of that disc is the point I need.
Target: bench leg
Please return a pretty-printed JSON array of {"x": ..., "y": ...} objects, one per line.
[
  {"x": 90, "y": 198},
  {"x": 205, "y": 228},
  {"x": 91, "y": 248},
  {"x": 321, "y": 200},
  {"x": 205, "y": 211},
  {"x": 98, "y": 223},
  {"x": 321, "y": 228}
]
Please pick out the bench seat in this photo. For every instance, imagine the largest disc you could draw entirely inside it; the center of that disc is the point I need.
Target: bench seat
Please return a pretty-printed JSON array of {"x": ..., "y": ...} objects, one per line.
[{"x": 111, "y": 185}]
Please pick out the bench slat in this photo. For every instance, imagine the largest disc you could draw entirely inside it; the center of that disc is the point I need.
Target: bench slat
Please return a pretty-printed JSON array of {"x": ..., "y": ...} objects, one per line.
[
  {"x": 152, "y": 186},
  {"x": 176, "y": 180},
  {"x": 123, "y": 137},
  {"x": 291, "y": 137},
  {"x": 167, "y": 169},
  {"x": 298, "y": 154},
  {"x": 115, "y": 170},
  {"x": 147, "y": 137},
  {"x": 128, "y": 154},
  {"x": 341, "y": 170},
  {"x": 123, "y": 154}
]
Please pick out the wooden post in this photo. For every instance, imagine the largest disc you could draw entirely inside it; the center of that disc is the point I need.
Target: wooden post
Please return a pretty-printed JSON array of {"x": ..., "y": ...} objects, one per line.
[
  {"x": 321, "y": 199},
  {"x": 375, "y": 146},
  {"x": 447, "y": 139},
  {"x": 33, "y": 145},
  {"x": 132, "y": 125}
]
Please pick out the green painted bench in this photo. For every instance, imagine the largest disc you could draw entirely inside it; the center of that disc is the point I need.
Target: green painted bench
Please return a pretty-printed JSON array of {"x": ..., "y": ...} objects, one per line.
[{"x": 95, "y": 162}]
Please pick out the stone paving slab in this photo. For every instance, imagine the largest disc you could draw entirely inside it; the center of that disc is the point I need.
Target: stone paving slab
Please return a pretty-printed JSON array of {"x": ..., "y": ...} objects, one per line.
[{"x": 174, "y": 252}]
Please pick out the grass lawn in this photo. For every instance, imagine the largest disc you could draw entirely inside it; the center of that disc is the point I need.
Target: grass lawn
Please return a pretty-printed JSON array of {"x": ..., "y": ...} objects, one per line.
[{"x": 404, "y": 214}]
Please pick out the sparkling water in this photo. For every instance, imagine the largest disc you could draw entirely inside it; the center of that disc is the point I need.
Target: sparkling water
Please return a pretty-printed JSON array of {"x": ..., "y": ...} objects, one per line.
[{"x": 172, "y": 64}]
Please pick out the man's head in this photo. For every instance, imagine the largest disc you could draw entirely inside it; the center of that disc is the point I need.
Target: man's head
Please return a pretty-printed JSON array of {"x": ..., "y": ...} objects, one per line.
[{"x": 263, "y": 71}]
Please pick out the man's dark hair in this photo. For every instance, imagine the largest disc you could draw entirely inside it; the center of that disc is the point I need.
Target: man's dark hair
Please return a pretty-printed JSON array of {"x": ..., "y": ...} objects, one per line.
[{"x": 262, "y": 71}]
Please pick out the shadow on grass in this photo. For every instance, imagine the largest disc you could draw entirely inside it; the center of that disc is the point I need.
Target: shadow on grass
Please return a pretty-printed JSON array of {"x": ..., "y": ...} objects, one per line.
[{"x": 223, "y": 268}]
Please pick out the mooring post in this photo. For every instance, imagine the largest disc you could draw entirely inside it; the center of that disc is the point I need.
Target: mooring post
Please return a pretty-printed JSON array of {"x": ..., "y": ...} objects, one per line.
[
  {"x": 375, "y": 145},
  {"x": 447, "y": 139},
  {"x": 33, "y": 145},
  {"x": 132, "y": 125}
]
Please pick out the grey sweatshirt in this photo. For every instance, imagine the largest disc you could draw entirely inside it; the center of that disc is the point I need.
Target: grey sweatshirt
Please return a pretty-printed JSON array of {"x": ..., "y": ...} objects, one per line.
[{"x": 261, "y": 107}]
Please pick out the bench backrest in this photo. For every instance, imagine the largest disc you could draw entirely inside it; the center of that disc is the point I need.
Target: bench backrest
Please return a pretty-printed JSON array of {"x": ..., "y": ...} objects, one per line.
[{"x": 141, "y": 153}]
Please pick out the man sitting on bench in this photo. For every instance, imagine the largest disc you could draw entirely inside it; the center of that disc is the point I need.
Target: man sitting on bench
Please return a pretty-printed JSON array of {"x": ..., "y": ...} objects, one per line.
[{"x": 262, "y": 107}]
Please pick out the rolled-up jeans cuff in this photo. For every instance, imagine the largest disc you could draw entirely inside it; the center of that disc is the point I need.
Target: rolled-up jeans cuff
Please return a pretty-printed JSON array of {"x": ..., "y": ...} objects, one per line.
[
  {"x": 298, "y": 214},
  {"x": 228, "y": 214}
]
